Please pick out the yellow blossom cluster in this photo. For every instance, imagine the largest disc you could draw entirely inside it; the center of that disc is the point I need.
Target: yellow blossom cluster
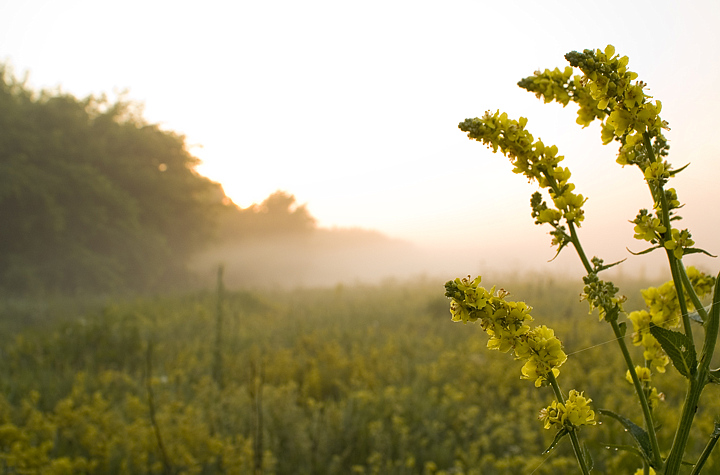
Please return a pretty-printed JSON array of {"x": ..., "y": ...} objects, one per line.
[
  {"x": 648, "y": 227},
  {"x": 664, "y": 311},
  {"x": 506, "y": 322},
  {"x": 563, "y": 87},
  {"x": 644, "y": 374},
  {"x": 530, "y": 157},
  {"x": 701, "y": 282},
  {"x": 602, "y": 295},
  {"x": 607, "y": 91},
  {"x": 631, "y": 113},
  {"x": 679, "y": 241},
  {"x": 574, "y": 412}
]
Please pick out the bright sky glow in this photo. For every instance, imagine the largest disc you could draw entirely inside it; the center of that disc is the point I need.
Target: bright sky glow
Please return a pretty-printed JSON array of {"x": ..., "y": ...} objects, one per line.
[{"x": 353, "y": 106}]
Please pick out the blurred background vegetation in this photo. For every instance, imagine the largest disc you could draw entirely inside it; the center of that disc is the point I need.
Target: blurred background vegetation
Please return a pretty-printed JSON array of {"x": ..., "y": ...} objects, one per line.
[{"x": 351, "y": 379}]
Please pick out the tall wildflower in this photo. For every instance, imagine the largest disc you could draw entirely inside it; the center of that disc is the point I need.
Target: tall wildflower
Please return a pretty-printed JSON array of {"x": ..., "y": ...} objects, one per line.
[{"x": 606, "y": 91}]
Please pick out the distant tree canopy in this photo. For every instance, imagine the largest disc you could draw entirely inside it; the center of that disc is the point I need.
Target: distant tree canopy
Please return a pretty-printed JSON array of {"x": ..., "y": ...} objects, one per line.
[
  {"x": 278, "y": 214},
  {"x": 93, "y": 198}
]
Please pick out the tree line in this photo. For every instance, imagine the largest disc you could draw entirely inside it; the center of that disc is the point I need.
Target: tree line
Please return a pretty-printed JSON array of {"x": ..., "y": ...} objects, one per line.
[{"x": 93, "y": 198}]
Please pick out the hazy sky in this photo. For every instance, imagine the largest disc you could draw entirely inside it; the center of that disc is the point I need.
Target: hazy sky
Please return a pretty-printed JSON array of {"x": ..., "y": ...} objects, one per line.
[{"x": 353, "y": 106}]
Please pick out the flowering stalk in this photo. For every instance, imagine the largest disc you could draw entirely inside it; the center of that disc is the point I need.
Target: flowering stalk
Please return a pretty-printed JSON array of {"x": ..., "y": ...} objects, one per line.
[
  {"x": 629, "y": 117},
  {"x": 539, "y": 162},
  {"x": 506, "y": 322},
  {"x": 608, "y": 91}
]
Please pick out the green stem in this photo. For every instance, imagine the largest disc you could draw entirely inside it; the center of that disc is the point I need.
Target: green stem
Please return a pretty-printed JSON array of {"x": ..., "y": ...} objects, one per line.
[
  {"x": 578, "y": 248},
  {"x": 708, "y": 449},
  {"x": 572, "y": 432},
  {"x": 696, "y": 381},
  {"x": 675, "y": 265},
  {"x": 642, "y": 396},
  {"x": 695, "y": 385},
  {"x": 712, "y": 327},
  {"x": 691, "y": 292},
  {"x": 620, "y": 338},
  {"x": 674, "y": 460},
  {"x": 667, "y": 237}
]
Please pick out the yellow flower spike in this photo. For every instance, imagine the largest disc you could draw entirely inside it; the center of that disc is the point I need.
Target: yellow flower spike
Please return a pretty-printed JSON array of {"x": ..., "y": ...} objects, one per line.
[{"x": 609, "y": 84}]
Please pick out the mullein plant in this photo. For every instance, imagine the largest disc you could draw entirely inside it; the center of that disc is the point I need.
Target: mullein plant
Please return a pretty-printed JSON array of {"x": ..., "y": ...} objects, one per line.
[{"x": 605, "y": 90}]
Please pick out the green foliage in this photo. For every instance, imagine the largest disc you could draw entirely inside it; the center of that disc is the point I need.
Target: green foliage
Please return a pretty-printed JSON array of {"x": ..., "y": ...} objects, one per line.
[
  {"x": 92, "y": 197},
  {"x": 278, "y": 214},
  {"x": 353, "y": 380}
]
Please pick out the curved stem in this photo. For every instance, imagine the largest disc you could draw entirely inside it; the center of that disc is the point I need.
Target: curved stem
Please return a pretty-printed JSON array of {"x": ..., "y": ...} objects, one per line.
[
  {"x": 691, "y": 292},
  {"x": 578, "y": 248},
  {"x": 708, "y": 449},
  {"x": 675, "y": 265}
]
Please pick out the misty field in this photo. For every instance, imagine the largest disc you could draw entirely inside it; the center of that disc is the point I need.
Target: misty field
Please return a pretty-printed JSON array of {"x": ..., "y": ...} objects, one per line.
[{"x": 362, "y": 379}]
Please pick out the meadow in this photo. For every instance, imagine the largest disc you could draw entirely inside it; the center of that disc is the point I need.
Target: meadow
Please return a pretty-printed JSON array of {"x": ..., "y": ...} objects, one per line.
[{"x": 345, "y": 379}]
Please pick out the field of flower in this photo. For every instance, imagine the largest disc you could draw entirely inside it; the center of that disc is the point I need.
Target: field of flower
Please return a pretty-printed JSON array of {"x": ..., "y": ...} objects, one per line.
[{"x": 362, "y": 379}]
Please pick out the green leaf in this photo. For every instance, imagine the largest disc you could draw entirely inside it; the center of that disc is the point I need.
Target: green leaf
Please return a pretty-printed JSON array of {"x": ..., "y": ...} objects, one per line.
[
  {"x": 623, "y": 328},
  {"x": 638, "y": 433},
  {"x": 711, "y": 332},
  {"x": 561, "y": 433},
  {"x": 694, "y": 250},
  {"x": 643, "y": 252},
  {"x": 605, "y": 267},
  {"x": 679, "y": 348},
  {"x": 675, "y": 172}
]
